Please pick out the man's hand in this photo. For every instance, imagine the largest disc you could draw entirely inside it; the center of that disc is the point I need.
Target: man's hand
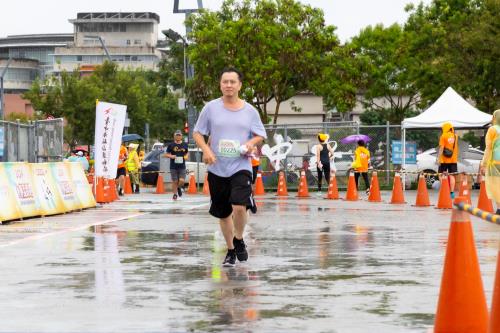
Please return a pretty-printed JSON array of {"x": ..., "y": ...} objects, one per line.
[{"x": 209, "y": 157}]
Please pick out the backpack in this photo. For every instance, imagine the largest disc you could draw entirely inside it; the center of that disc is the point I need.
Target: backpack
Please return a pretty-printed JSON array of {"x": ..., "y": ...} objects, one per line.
[{"x": 495, "y": 147}]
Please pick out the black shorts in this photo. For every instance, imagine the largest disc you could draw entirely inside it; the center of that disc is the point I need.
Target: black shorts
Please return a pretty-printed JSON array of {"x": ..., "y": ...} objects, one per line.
[
  {"x": 450, "y": 167},
  {"x": 121, "y": 172},
  {"x": 228, "y": 191}
]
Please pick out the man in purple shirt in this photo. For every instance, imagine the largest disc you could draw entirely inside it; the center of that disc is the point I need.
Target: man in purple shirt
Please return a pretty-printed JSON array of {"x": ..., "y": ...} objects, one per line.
[{"x": 234, "y": 128}]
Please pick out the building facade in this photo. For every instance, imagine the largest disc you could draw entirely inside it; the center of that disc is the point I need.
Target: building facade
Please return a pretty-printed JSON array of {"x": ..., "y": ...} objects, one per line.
[{"x": 130, "y": 38}]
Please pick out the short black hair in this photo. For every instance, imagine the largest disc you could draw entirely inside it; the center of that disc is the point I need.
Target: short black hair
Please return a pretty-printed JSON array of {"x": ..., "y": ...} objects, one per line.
[
  {"x": 361, "y": 143},
  {"x": 231, "y": 70}
]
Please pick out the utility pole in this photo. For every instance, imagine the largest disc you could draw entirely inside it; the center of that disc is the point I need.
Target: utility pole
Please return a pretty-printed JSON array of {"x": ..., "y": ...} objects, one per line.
[
  {"x": 2, "y": 104},
  {"x": 192, "y": 115}
]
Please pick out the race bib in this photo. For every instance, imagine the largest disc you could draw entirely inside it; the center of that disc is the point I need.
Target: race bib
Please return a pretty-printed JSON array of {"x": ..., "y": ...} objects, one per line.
[
  {"x": 179, "y": 160},
  {"x": 229, "y": 148}
]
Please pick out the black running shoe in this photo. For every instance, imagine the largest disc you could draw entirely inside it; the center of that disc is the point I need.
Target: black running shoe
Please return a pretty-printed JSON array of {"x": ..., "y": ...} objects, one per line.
[
  {"x": 174, "y": 197},
  {"x": 230, "y": 260},
  {"x": 498, "y": 212},
  {"x": 241, "y": 249},
  {"x": 179, "y": 191},
  {"x": 252, "y": 206},
  {"x": 120, "y": 192}
]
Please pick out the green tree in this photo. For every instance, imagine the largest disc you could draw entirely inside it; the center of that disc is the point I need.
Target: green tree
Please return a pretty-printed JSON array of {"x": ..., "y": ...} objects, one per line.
[
  {"x": 457, "y": 43},
  {"x": 386, "y": 70},
  {"x": 279, "y": 45},
  {"x": 73, "y": 97}
]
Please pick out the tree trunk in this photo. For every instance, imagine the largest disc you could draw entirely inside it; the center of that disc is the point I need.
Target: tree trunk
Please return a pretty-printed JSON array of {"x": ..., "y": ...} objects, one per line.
[{"x": 276, "y": 111}]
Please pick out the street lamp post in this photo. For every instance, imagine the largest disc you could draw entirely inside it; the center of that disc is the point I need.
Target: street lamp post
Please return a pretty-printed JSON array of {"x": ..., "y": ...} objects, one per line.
[
  {"x": 2, "y": 104},
  {"x": 188, "y": 69}
]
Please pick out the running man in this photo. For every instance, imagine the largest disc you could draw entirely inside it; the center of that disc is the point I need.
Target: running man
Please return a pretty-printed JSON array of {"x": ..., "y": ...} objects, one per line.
[
  {"x": 235, "y": 128},
  {"x": 323, "y": 153},
  {"x": 177, "y": 151}
]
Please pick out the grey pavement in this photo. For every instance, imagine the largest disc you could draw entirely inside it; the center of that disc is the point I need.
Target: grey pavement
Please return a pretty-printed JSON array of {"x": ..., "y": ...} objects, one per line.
[{"x": 148, "y": 264}]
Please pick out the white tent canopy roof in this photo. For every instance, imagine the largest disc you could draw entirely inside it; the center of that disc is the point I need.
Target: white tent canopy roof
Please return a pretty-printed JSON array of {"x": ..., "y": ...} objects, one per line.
[{"x": 450, "y": 106}]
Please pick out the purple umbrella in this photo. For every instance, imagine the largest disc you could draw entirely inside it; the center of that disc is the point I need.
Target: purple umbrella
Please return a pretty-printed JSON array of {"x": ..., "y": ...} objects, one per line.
[{"x": 355, "y": 138}]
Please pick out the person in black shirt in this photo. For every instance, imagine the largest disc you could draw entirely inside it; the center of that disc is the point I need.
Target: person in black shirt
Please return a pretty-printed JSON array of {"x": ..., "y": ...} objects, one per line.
[
  {"x": 323, "y": 152},
  {"x": 177, "y": 151}
]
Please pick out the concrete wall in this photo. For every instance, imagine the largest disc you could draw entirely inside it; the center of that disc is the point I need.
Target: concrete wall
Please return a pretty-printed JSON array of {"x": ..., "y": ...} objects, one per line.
[
  {"x": 312, "y": 110},
  {"x": 14, "y": 103}
]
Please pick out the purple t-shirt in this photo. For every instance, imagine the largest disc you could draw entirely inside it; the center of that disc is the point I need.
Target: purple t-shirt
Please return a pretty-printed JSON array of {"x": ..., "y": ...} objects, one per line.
[{"x": 228, "y": 130}]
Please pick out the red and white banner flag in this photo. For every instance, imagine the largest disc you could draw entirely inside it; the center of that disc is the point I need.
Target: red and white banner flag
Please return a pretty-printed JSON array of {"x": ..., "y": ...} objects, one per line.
[{"x": 109, "y": 122}]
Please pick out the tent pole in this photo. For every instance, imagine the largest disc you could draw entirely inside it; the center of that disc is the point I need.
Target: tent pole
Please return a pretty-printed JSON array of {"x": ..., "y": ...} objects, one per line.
[{"x": 403, "y": 162}]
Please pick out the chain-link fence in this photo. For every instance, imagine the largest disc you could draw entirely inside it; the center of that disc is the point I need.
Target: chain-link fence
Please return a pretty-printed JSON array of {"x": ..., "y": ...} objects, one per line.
[
  {"x": 38, "y": 141},
  {"x": 304, "y": 137}
]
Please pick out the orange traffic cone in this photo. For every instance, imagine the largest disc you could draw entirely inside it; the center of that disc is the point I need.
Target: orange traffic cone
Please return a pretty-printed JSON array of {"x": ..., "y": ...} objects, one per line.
[
  {"x": 352, "y": 192},
  {"x": 495, "y": 303},
  {"x": 259, "y": 185},
  {"x": 113, "y": 190},
  {"x": 483, "y": 202},
  {"x": 282, "y": 191},
  {"x": 107, "y": 193},
  {"x": 206, "y": 187},
  {"x": 464, "y": 189},
  {"x": 303, "y": 190},
  {"x": 444, "y": 201},
  {"x": 374, "y": 189},
  {"x": 128, "y": 185},
  {"x": 397, "y": 191},
  {"x": 333, "y": 191},
  {"x": 160, "y": 187},
  {"x": 192, "y": 185},
  {"x": 99, "y": 191},
  {"x": 462, "y": 304},
  {"x": 422, "y": 193}
]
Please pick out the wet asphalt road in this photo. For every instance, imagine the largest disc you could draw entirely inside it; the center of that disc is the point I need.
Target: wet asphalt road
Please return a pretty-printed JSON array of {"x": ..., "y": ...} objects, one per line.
[{"x": 147, "y": 264}]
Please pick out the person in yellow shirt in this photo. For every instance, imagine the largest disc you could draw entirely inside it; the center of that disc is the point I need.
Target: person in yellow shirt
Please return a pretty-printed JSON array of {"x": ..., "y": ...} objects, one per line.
[
  {"x": 361, "y": 164},
  {"x": 448, "y": 155},
  {"x": 490, "y": 165},
  {"x": 133, "y": 166}
]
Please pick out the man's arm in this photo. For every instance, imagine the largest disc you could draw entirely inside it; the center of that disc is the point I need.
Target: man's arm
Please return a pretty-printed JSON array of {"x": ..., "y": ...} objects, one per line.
[
  {"x": 208, "y": 155},
  {"x": 256, "y": 140}
]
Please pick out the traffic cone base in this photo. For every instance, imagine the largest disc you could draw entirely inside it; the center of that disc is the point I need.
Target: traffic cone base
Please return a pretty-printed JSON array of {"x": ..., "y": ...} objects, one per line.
[
  {"x": 462, "y": 303},
  {"x": 160, "y": 187},
  {"x": 374, "y": 189},
  {"x": 99, "y": 191},
  {"x": 397, "y": 191},
  {"x": 352, "y": 192},
  {"x": 128, "y": 185},
  {"x": 333, "y": 191},
  {"x": 422, "y": 199},
  {"x": 303, "y": 190},
  {"x": 206, "y": 186},
  {"x": 282, "y": 190},
  {"x": 444, "y": 201},
  {"x": 483, "y": 202},
  {"x": 192, "y": 185},
  {"x": 259, "y": 185}
]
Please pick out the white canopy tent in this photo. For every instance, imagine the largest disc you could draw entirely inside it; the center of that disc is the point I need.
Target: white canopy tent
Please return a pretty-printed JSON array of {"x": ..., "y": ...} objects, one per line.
[{"x": 451, "y": 107}]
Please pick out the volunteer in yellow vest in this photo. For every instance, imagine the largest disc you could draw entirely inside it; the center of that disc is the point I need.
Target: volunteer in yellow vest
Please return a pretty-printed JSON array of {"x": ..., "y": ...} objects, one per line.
[
  {"x": 448, "y": 154},
  {"x": 490, "y": 165},
  {"x": 361, "y": 164},
  {"x": 121, "y": 171},
  {"x": 133, "y": 166}
]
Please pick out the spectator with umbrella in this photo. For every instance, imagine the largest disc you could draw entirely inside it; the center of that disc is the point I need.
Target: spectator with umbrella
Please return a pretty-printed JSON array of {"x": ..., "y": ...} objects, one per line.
[{"x": 361, "y": 158}]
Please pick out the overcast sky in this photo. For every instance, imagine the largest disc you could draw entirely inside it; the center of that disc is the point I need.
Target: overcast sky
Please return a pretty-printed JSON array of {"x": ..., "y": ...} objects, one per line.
[{"x": 51, "y": 16}]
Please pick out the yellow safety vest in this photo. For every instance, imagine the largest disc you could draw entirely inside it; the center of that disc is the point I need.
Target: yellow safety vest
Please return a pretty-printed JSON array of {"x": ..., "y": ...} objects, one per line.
[{"x": 131, "y": 164}]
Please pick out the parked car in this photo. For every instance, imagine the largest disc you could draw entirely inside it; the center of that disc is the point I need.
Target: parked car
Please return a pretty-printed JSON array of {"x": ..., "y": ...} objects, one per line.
[
  {"x": 151, "y": 165},
  {"x": 426, "y": 162}
]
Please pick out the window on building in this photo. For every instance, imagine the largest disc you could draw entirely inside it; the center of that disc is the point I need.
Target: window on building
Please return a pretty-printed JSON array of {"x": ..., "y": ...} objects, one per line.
[
  {"x": 133, "y": 58},
  {"x": 123, "y": 27},
  {"x": 127, "y": 58},
  {"x": 128, "y": 41},
  {"x": 79, "y": 58}
]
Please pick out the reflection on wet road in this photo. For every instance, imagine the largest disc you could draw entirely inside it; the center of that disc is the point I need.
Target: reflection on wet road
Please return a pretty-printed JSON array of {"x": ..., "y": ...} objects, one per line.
[{"x": 315, "y": 266}]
